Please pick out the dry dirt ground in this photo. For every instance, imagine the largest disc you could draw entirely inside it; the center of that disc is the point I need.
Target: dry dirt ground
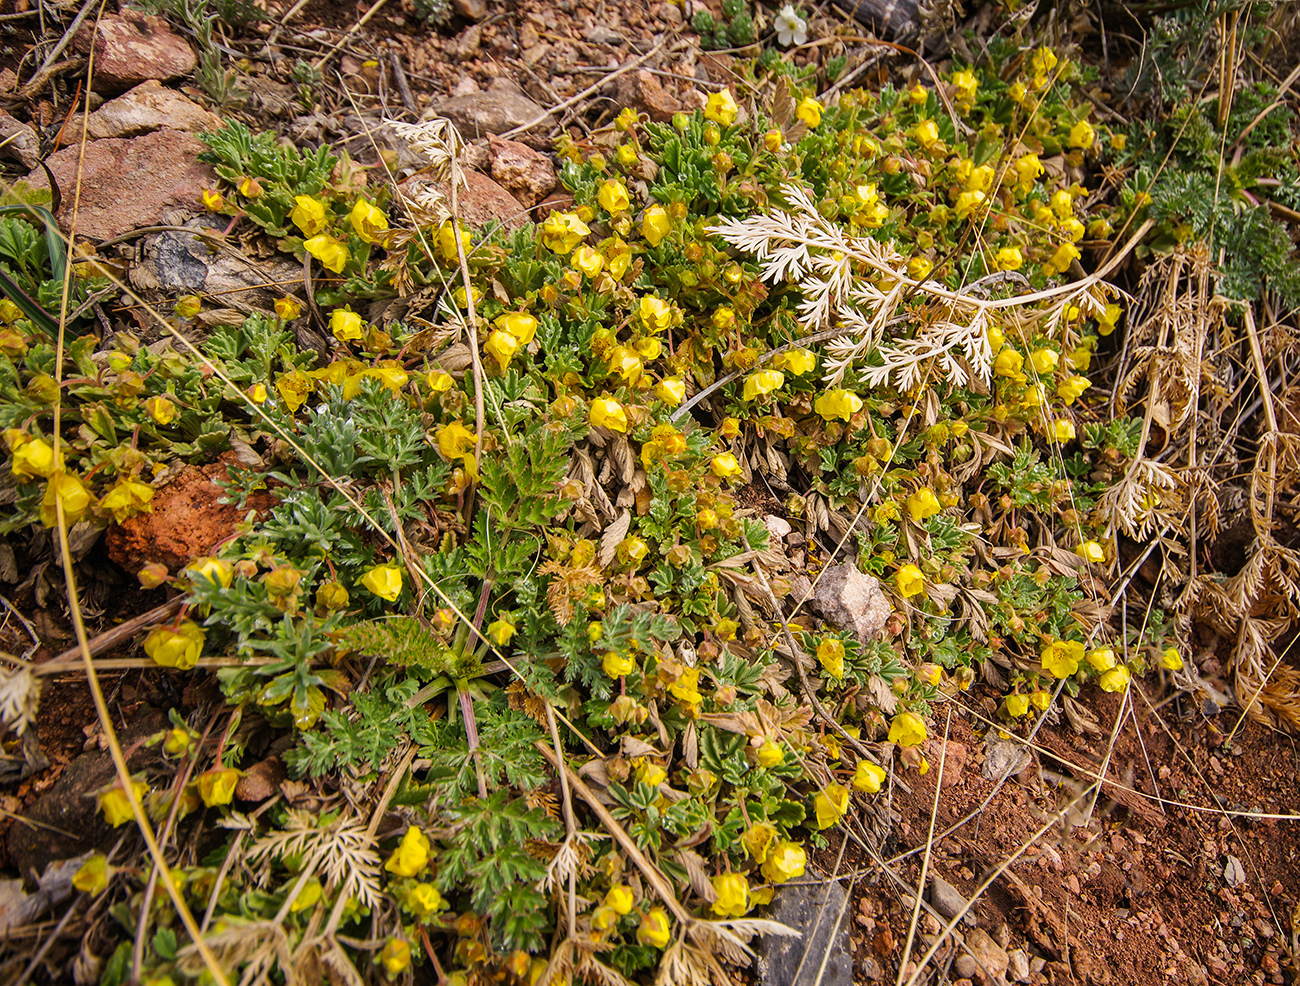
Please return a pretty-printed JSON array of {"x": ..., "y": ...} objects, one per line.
[{"x": 1184, "y": 870}]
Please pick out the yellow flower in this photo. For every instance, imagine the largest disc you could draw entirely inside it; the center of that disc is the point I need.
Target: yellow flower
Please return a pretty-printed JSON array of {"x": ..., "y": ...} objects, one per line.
[
  {"x": 1108, "y": 319},
  {"x": 926, "y": 133},
  {"x": 654, "y": 930},
  {"x": 455, "y": 441},
  {"x": 424, "y": 901},
  {"x": 332, "y": 254},
  {"x": 332, "y": 596},
  {"x": 521, "y": 325},
  {"x": 1040, "y": 699},
  {"x": 649, "y": 773},
  {"x": 785, "y": 862},
  {"x": 603, "y": 918},
  {"x": 919, "y": 268},
  {"x": 175, "y": 648},
  {"x": 1028, "y": 169},
  {"x": 1044, "y": 360},
  {"x": 922, "y": 504},
  {"x": 501, "y": 631},
  {"x": 918, "y": 94},
  {"x": 829, "y": 804},
  {"x": 909, "y": 581},
  {"x": 620, "y": 900},
  {"x": 369, "y": 222},
  {"x": 613, "y": 197},
  {"x": 725, "y": 466},
  {"x": 1009, "y": 258},
  {"x": 92, "y": 877},
  {"x": 384, "y": 581},
  {"x": 293, "y": 388},
  {"x": 867, "y": 777},
  {"x": 1017, "y": 705},
  {"x": 1171, "y": 660},
  {"x": 730, "y": 427},
  {"x": 411, "y": 856},
  {"x": 1017, "y": 92},
  {"x": 287, "y": 308},
  {"x": 770, "y": 754},
  {"x": 655, "y": 224},
  {"x": 1073, "y": 229},
  {"x": 759, "y": 839},
  {"x": 178, "y": 741},
  {"x": 213, "y": 200},
  {"x": 1091, "y": 551},
  {"x": 390, "y": 374},
  {"x": 1082, "y": 135},
  {"x": 395, "y": 956},
  {"x": 116, "y": 805},
  {"x": 633, "y": 549},
  {"x": 907, "y": 729},
  {"x": 654, "y": 313},
  {"x": 809, "y": 111},
  {"x": 447, "y": 242},
  {"x": 1061, "y": 658},
  {"x": 32, "y": 459},
  {"x": 964, "y": 86},
  {"x": 1044, "y": 61},
  {"x": 830, "y": 652},
  {"x": 67, "y": 490},
  {"x": 161, "y": 409},
  {"x": 838, "y": 403},
  {"x": 588, "y": 260},
  {"x": 345, "y": 325},
  {"x": 217, "y": 786},
  {"x": 562, "y": 231},
  {"x": 1065, "y": 254},
  {"x": 127, "y": 499},
  {"x": 1102, "y": 659},
  {"x": 1009, "y": 363},
  {"x": 439, "y": 381},
  {"x": 721, "y": 108},
  {"x": 1072, "y": 387},
  {"x": 216, "y": 571},
  {"x": 187, "y": 306},
  {"x": 626, "y": 364},
  {"x": 980, "y": 178},
  {"x": 501, "y": 346},
  {"x": 616, "y": 665},
  {"x": 1114, "y": 680},
  {"x": 796, "y": 361},
  {"x": 968, "y": 202},
  {"x": 308, "y": 215},
  {"x": 672, "y": 391},
  {"x": 250, "y": 188},
  {"x": 733, "y": 895},
  {"x": 762, "y": 382},
  {"x": 607, "y": 413}
]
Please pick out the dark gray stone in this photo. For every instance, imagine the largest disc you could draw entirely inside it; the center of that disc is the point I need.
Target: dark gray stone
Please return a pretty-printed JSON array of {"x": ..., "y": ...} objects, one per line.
[
  {"x": 819, "y": 914},
  {"x": 946, "y": 898}
]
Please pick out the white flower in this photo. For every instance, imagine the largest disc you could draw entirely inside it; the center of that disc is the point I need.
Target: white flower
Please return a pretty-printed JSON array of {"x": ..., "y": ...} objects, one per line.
[{"x": 790, "y": 27}]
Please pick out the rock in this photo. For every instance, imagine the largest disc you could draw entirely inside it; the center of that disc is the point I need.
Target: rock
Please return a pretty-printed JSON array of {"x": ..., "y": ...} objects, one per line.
[
  {"x": 132, "y": 47},
  {"x": 991, "y": 958},
  {"x": 954, "y": 759},
  {"x": 847, "y": 598},
  {"x": 945, "y": 898},
  {"x": 482, "y": 200},
  {"x": 1018, "y": 966},
  {"x": 261, "y": 781},
  {"x": 19, "y": 142},
  {"x": 522, "y": 170},
  {"x": 149, "y": 106},
  {"x": 965, "y": 966},
  {"x": 131, "y": 182},
  {"x": 777, "y": 527},
  {"x": 53, "y": 887},
  {"x": 474, "y": 10},
  {"x": 492, "y": 112},
  {"x": 184, "y": 263},
  {"x": 602, "y": 35},
  {"x": 869, "y": 969},
  {"x": 69, "y": 807},
  {"x": 642, "y": 91},
  {"x": 187, "y": 521},
  {"x": 812, "y": 910}
]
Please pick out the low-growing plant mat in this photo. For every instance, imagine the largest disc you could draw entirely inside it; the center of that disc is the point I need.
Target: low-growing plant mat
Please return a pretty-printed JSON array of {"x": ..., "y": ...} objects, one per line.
[{"x": 879, "y": 484}]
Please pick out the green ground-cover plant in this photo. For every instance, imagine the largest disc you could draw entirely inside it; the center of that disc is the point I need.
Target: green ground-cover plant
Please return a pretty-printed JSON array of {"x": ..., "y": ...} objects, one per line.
[{"x": 875, "y": 309}]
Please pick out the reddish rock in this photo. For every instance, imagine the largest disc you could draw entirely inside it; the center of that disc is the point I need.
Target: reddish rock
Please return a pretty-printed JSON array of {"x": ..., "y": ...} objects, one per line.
[
  {"x": 129, "y": 183},
  {"x": 149, "y": 106},
  {"x": 644, "y": 92},
  {"x": 261, "y": 780},
  {"x": 18, "y": 141},
  {"x": 133, "y": 47},
  {"x": 187, "y": 520},
  {"x": 482, "y": 200},
  {"x": 522, "y": 170}
]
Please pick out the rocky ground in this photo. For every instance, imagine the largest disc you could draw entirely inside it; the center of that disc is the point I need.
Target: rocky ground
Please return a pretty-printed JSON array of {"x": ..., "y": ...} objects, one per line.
[{"x": 1185, "y": 871}]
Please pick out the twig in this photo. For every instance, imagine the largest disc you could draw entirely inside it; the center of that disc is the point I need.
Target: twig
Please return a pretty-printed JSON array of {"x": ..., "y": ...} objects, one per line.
[
  {"x": 403, "y": 87},
  {"x": 57, "y": 50},
  {"x": 929, "y": 846},
  {"x": 31, "y": 630},
  {"x": 111, "y": 638}
]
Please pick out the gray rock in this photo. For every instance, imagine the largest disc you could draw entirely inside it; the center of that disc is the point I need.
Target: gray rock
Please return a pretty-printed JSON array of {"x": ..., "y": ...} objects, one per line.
[
  {"x": 491, "y": 112},
  {"x": 990, "y": 957},
  {"x": 946, "y": 898},
  {"x": 149, "y": 106},
  {"x": 965, "y": 966},
  {"x": 849, "y": 599},
  {"x": 816, "y": 911},
  {"x": 1018, "y": 966},
  {"x": 18, "y": 141},
  {"x": 602, "y": 35}
]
